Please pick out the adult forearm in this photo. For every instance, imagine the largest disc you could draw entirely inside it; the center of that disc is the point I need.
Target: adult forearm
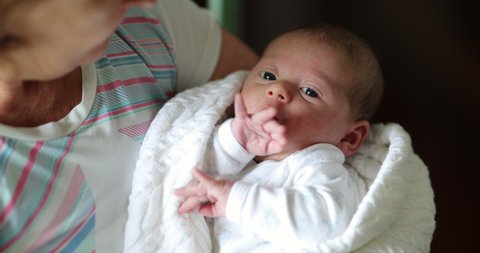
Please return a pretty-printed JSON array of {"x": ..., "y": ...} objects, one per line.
[{"x": 234, "y": 55}]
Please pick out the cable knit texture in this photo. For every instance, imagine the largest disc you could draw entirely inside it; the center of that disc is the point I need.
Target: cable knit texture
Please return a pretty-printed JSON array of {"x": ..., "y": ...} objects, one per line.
[{"x": 396, "y": 215}]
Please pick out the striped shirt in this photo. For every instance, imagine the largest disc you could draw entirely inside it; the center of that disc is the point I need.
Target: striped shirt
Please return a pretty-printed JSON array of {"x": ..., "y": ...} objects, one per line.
[{"x": 59, "y": 194}]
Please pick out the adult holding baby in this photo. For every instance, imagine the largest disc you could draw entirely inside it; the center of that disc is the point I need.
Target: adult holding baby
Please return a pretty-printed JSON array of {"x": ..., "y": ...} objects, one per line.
[{"x": 80, "y": 81}]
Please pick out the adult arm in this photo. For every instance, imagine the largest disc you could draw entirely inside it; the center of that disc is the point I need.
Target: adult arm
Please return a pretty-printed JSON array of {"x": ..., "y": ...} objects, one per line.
[
  {"x": 234, "y": 55},
  {"x": 204, "y": 51}
]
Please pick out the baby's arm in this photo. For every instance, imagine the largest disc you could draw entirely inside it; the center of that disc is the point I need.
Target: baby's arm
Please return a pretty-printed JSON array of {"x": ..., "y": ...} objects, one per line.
[
  {"x": 237, "y": 141},
  {"x": 307, "y": 213},
  {"x": 246, "y": 136},
  {"x": 259, "y": 133}
]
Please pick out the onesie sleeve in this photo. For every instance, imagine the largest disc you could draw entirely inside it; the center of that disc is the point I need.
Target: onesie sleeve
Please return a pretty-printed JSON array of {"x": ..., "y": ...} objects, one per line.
[
  {"x": 316, "y": 207},
  {"x": 196, "y": 38},
  {"x": 225, "y": 156}
]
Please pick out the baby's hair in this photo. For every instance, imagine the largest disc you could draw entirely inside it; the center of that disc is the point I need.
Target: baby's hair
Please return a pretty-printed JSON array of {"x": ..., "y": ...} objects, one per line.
[{"x": 366, "y": 91}]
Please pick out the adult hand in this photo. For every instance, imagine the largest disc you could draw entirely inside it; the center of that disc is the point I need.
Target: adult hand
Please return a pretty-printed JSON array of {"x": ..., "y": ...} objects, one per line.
[
  {"x": 209, "y": 195},
  {"x": 260, "y": 133}
]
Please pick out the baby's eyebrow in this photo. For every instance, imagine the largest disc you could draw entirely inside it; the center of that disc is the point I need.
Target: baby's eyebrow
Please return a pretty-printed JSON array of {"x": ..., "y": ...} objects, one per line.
[{"x": 326, "y": 79}]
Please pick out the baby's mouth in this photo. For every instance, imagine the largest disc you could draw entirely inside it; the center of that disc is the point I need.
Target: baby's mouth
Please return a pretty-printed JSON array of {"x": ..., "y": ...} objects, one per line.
[
  {"x": 278, "y": 116},
  {"x": 279, "y": 119}
]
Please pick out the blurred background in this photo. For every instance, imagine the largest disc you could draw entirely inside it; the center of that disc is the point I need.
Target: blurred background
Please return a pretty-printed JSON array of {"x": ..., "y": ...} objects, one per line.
[{"x": 430, "y": 55}]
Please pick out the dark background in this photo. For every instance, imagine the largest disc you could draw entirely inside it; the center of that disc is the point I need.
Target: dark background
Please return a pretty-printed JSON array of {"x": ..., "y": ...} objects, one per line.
[{"x": 429, "y": 52}]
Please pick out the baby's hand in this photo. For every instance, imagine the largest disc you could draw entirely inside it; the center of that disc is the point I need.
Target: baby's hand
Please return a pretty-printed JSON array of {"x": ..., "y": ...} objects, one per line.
[
  {"x": 209, "y": 196},
  {"x": 259, "y": 133}
]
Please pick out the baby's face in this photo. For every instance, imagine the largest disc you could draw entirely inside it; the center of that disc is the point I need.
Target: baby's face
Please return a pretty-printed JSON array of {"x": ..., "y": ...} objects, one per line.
[
  {"x": 306, "y": 82},
  {"x": 55, "y": 36}
]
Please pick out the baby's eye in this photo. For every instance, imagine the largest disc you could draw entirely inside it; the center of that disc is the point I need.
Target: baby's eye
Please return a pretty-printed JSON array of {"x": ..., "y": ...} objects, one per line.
[
  {"x": 309, "y": 91},
  {"x": 268, "y": 76}
]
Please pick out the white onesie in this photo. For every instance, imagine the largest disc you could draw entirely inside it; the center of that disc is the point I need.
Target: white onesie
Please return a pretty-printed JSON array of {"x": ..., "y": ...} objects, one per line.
[{"x": 288, "y": 205}]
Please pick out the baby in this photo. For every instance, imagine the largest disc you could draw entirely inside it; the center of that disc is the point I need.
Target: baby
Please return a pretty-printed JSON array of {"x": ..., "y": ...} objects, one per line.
[{"x": 303, "y": 108}]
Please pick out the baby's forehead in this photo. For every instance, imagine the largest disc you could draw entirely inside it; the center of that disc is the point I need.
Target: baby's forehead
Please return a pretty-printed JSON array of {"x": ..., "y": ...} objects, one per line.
[{"x": 304, "y": 42}]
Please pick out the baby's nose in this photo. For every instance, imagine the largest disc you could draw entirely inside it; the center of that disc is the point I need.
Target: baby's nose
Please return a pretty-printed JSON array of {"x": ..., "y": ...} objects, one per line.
[{"x": 279, "y": 91}]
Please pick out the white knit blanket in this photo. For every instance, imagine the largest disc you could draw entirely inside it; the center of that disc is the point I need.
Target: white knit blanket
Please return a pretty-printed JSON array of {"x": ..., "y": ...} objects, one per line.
[{"x": 396, "y": 215}]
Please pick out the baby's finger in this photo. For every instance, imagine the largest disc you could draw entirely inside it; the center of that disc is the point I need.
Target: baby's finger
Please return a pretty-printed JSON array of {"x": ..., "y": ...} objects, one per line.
[
  {"x": 264, "y": 115},
  {"x": 204, "y": 178},
  {"x": 273, "y": 126},
  {"x": 274, "y": 148},
  {"x": 189, "y": 205},
  {"x": 189, "y": 190},
  {"x": 279, "y": 138},
  {"x": 207, "y": 210}
]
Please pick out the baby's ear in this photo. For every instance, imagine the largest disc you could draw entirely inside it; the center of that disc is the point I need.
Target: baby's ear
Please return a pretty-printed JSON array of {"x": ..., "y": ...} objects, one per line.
[{"x": 355, "y": 137}]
